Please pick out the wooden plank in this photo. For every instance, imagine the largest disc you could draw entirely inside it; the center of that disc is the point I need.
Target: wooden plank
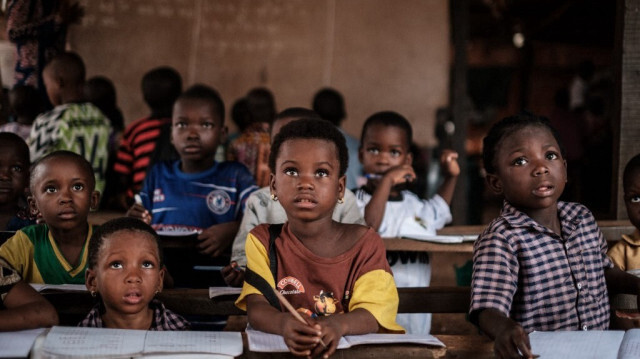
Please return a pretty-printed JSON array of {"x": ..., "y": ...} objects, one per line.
[{"x": 434, "y": 300}]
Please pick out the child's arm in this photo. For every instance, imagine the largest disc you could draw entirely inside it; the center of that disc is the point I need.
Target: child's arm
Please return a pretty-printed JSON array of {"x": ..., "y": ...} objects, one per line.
[
  {"x": 508, "y": 335},
  {"x": 358, "y": 321},
  {"x": 450, "y": 171},
  {"x": 215, "y": 239},
  {"x": 300, "y": 338},
  {"x": 619, "y": 282},
  {"x": 139, "y": 212},
  {"x": 26, "y": 309},
  {"x": 374, "y": 210}
]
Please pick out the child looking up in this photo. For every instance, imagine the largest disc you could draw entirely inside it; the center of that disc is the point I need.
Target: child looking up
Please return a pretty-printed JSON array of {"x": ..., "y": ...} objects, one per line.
[
  {"x": 625, "y": 254},
  {"x": 72, "y": 125},
  {"x": 125, "y": 272},
  {"x": 335, "y": 272},
  {"x": 62, "y": 191},
  {"x": 21, "y": 307},
  {"x": 542, "y": 264},
  {"x": 260, "y": 209},
  {"x": 387, "y": 206},
  {"x": 14, "y": 179},
  {"x": 196, "y": 193}
]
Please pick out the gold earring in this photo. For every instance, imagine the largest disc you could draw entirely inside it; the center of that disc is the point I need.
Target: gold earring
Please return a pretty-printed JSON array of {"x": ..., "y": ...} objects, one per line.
[
  {"x": 274, "y": 197},
  {"x": 340, "y": 200},
  {"x": 93, "y": 293}
]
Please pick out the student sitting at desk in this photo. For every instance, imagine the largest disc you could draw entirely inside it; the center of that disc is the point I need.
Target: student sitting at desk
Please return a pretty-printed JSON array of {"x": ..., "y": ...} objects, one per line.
[
  {"x": 336, "y": 273},
  {"x": 21, "y": 307},
  {"x": 14, "y": 179},
  {"x": 388, "y": 206},
  {"x": 125, "y": 273},
  {"x": 542, "y": 264},
  {"x": 55, "y": 252}
]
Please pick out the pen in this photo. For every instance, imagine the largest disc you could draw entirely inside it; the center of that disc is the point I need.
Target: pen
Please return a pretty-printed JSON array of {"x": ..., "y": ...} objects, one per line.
[
  {"x": 294, "y": 312},
  {"x": 137, "y": 198}
]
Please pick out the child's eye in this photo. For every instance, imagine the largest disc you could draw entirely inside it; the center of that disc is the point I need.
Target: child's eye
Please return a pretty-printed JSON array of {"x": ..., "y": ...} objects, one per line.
[
  {"x": 208, "y": 125},
  {"x": 552, "y": 156},
  {"x": 148, "y": 265},
  {"x": 16, "y": 169},
  {"x": 322, "y": 173},
  {"x": 115, "y": 265},
  {"x": 50, "y": 189},
  {"x": 180, "y": 124},
  {"x": 635, "y": 199},
  {"x": 520, "y": 161},
  {"x": 373, "y": 151},
  {"x": 395, "y": 153},
  {"x": 77, "y": 187},
  {"x": 291, "y": 171}
]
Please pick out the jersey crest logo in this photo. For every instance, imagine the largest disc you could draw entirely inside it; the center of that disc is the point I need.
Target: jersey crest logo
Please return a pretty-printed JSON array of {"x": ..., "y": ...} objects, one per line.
[
  {"x": 158, "y": 196},
  {"x": 290, "y": 281},
  {"x": 218, "y": 201}
]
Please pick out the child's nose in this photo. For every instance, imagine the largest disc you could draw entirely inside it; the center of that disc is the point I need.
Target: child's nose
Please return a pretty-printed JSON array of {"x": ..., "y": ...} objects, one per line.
[
  {"x": 540, "y": 169},
  {"x": 5, "y": 174},
  {"x": 305, "y": 182},
  {"x": 133, "y": 275}
]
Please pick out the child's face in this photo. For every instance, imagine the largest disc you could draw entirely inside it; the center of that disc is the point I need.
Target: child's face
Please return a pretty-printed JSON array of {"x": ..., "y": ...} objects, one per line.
[
  {"x": 127, "y": 273},
  {"x": 383, "y": 147},
  {"x": 52, "y": 85},
  {"x": 196, "y": 132},
  {"x": 14, "y": 174},
  {"x": 530, "y": 170},
  {"x": 62, "y": 190},
  {"x": 632, "y": 197},
  {"x": 307, "y": 180}
]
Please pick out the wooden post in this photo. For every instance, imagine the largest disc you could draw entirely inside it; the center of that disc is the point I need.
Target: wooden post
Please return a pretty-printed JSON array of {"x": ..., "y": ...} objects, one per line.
[
  {"x": 460, "y": 28},
  {"x": 626, "y": 138}
]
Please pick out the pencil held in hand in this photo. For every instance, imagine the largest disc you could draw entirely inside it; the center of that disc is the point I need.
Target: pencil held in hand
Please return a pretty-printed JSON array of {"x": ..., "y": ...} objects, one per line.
[{"x": 294, "y": 312}]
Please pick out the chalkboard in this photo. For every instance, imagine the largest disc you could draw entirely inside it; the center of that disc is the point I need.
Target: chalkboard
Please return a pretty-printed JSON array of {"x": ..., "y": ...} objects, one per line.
[{"x": 381, "y": 54}]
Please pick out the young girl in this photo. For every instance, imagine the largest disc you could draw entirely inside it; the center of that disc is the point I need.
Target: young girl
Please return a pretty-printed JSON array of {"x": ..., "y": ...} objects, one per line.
[
  {"x": 335, "y": 272},
  {"x": 125, "y": 272},
  {"x": 542, "y": 264}
]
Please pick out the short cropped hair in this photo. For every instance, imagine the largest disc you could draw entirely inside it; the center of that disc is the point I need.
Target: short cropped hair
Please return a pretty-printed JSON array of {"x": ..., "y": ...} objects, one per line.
[
  {"x": 115, "y": 225},
  {"x": 161, "y": 87},
  {"x": 262, "y": 105},
  {"x": 298, "y": 112},
  {"x": 506, "y": 127},
  {"x": 388, "y": 118},
  {"x": 329, "y": 104},
  {"x": 18, "y": 143},
  {"x": 205, "y": 93},
  {"x": 632, "y": 167},
  {"x": 310, "y": 129},
  {"x": 71, "y": 156},
  {"x": 68, "y": 66}
]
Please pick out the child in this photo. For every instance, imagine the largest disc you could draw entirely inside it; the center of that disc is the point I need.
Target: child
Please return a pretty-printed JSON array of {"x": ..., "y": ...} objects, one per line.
[
  {"x": 196, "y": 193},
  {"x": 24, "y": 105},
  {"x": 72, "y": 125},
  {"x": 625, "y": 254},
  {"x": 260, "y": 209},
  {"x": 21, "y": 307},
  {"x": 542, "y": 264},
  {"x": 14, "y": 178},
  {"x": 387, "y": 206},
  {"x": 125, "y": 271},
  {"x": 62, "y": 191},
  {"x": 160, "y": 88},
  {"x": 323, "y": 267}
]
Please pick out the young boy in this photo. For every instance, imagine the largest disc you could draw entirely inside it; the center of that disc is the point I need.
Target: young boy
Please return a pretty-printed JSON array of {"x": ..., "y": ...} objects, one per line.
[
  {"x": 387, "y": 207},
  {"x": 542, "y": 264},
  {"x": 21, "y": 307},
  {"x": 261, "y": 209},
  {"x": 72, "y": 125},
  {"x": 14, "y": 179},
  {"x": 196, "y": 193},
  {"x": 62, "y": 190},
  {"x": 160, "y": 88}
]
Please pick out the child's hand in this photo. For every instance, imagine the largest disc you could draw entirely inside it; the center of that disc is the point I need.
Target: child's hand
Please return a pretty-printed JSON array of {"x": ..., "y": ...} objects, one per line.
[
  {"x": 233, "y": 275},
  {"x": 399, "y": 174},
  {"x": 138, "y": 211},
  {"x": 512, "y": 342},
  {"x": 449, "y": 163},
  {"x": 331, "y": 334},
  {"x": 215, "y": 239},
  {"x": 301, "y": 338}
]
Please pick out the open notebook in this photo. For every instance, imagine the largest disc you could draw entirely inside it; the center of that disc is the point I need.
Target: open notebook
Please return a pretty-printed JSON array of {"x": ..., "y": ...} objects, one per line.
[
  {"x": 265, "y": 342},
  {"x": 609, "y": 344},
  {"x": 413, "y": 229}
]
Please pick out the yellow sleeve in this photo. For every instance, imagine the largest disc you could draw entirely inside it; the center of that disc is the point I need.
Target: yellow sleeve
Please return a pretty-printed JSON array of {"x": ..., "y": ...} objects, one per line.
[
  {"x": 376, "y": 292},
  {"x": 18, "y": 252},
  {"x": 257, "y": 261},
  {"x": 617, "y": 254}
]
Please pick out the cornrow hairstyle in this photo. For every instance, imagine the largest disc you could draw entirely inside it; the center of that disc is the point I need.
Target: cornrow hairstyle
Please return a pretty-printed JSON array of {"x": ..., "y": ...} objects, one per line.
[
  {"x": 306, "y": 128},
  {"x": 508, "y": 126},
  {"x": 115, "y": 225}
]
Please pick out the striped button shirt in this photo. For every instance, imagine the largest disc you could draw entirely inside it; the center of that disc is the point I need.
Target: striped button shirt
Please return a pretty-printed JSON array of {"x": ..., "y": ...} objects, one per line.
[{"x": 542, "y": 280}]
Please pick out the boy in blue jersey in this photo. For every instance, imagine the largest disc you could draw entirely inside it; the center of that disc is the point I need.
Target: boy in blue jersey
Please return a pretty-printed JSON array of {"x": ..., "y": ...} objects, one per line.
[{"x": 196, "y": 194}]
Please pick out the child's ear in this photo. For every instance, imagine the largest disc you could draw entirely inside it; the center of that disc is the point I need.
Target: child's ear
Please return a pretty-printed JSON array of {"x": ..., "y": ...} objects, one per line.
[
  {"x": 90, "y": 280},
  {"x": 272, "y": 184},
  {"x": 409, "y": 159},
  {"x": 33, "y": 207},
  {"x": 223, "y": 134},
  {"x": 360, "y": 154},
  {"x": 95, "y": 200},
  {"x": 342, "y": 185},
  {"x": 494, "y": 183},
  {"x": 161, "y": 279}
]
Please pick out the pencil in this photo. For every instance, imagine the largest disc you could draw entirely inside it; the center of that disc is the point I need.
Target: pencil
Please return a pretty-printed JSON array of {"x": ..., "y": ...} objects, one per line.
[{"x": 294, "y": 312}]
